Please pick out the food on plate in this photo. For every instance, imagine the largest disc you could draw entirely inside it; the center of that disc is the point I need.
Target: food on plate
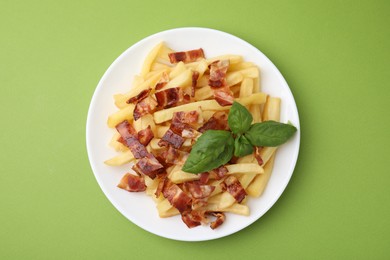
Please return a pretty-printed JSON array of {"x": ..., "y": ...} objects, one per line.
[{"x": 197, "y": 134}]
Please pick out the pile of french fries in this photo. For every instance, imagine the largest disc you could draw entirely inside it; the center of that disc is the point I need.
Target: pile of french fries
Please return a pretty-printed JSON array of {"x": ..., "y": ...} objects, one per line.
[{"x": 243, "y": 79}]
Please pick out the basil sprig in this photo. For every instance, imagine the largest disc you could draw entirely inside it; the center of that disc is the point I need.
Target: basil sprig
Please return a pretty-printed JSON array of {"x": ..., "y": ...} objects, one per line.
[{"x": 215, "y": 148}]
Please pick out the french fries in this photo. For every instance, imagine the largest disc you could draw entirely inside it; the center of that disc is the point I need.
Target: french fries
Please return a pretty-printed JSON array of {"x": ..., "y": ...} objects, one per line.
[{"x": 242, "y": 78}]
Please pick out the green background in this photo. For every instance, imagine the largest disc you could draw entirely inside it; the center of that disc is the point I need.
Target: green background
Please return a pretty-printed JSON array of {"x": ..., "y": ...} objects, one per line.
[{"x": 335, "y": 58}]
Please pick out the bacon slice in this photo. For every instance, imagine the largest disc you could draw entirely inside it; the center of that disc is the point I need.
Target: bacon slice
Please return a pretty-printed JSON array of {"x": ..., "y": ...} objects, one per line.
[
  {"x": 149, "y": 166},
  {"x": 132, "y": 183},
  {"x": 162, "y": 183},
  {"x": 174, "y": 156},
  {"x": 224, "y": 96},
  {"x": 178, "y": 198},
  {"x": 171, "y": 138},
  {"x": 217, "y": 122},
  {"x": 143, "y": 107},
  {"x": 129, "y": 137},
  {"x": 198, "y": 190},
  {"x": 145, "y": 135},
  {"x": 219, "y": 172},
  {"x": 232, "y": 185},
  {"x": 186, "y": 56},
  {"x": 218, "y": 71},
  {"x": 169, "y": 97},
  {"x": 193, "y": 218},
  {"x": 220, "y": 218},
  {"x": 182, "y": 119},
  {"x": 163, "y": 81},
  {"x": 195, "y": 77},
  {"x": 142, "y": 95}
]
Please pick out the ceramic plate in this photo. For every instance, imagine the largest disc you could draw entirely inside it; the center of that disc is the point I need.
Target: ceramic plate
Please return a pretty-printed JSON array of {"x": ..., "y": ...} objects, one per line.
[{"x": 140, "y": 208}]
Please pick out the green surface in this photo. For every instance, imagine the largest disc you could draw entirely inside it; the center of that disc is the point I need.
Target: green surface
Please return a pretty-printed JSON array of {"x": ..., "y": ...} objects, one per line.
[{"x": 335, "y": 57}]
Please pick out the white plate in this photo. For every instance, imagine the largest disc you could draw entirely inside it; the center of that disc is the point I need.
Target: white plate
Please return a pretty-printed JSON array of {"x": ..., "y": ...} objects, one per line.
[{"x": 140, "y": 208}]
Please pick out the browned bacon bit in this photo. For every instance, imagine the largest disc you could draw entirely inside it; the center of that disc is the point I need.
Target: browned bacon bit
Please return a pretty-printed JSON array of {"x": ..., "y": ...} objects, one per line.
[
  {"x": 171, "y": 138},
  {"x": 190, "y": 118},
  {"x": 224, "y": 96},
  {"x": 195, "y": 76},
  {"x": 220, "y": 218},
  {"x": 145, "y": 135},
  {"x": 186, "y": 56},
  {"x": 193, "y": 218},
  {"x": 232, "y": 185},
  {"x": 178, "y": 198},
  {"x": 149, "y": 166},
  {"x": 132, "y": 183},
  {"x": 220, "y": 172},
  {"x": 198, "y": 190},
  {"x": 162, "y": 182},
  {"x": 174, "y": 156},
  {"x": 169, "y": 97},
  {"x": 217, "y": 122},
  {"x": 218, "y": 71},
  {"x": 142, "y": 95},
  {"x": 163, "y": 81},
  {"x": 204, "y": 177},
  {"x": 258, "y": 156},
  {"x": 143, "y": 107},
  {"x": 129, "y": 136}
]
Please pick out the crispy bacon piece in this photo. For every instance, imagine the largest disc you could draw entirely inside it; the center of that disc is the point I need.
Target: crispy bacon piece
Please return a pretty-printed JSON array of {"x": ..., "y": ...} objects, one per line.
[
  {"x": 258, "y": 156},
  {"x": 195, "y": 76},
  {"x": 182, "y": 119},
  {"x": 162, "y": 183},
  {"x": 142, "y": 95},
  {"x": 178, "y": 198},
  {"x": 217, "y": 122},
  {"x": 163, "y": 81},
  {"x": 219, "y": 172},
  {"x": 145, "y": 135},
  {"x": 204, "y": 177},
  {"x": 174, "y": 156},
  {"x": 132, "y": 183},
  {"x": 193, "y": 218},
  {"x": 143, "y": 107},
  {"x": 218, "y": 71},
  {"x": 149, "y": 166},
  {"x": 129, "y": 136},
  {"x": 220, "y": 218},
  {"x": 224, "y": 96},
  {"x": 171, "y": 138},
  {"x": 198, "y": 190},
  {"x": 186, "y": 56},
  {"x": 232, "y": 185},
  {"x": 169, "y": 97}
]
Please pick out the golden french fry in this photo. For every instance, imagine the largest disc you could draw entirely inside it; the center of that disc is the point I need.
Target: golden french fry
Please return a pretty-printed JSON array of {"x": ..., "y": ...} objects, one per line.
[
  {"x": 121, "y": 159},
  {"x": 177, "y": 70},
  {"x": 257, "y": 187},
  {"x": 150, "y": 58},
  {"x": 182, "y": 80},
  {"x": 241, "y": 66},
  {"x": 125, "y": 113},
  {"x": 245, "y": 168},
  {"x": 235, "y": 208},
  {"x": 272, "y": 109},
  {"x": 246, "y": 88}
]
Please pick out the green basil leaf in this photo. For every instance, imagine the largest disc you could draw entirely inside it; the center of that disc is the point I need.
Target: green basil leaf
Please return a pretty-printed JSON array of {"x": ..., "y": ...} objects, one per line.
[
  {"x": 269, "y": 133},
  {"x": 239, "y": 119},
  {"x": 242, "y": 146},
  {"x": 213, "y": 149}
]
